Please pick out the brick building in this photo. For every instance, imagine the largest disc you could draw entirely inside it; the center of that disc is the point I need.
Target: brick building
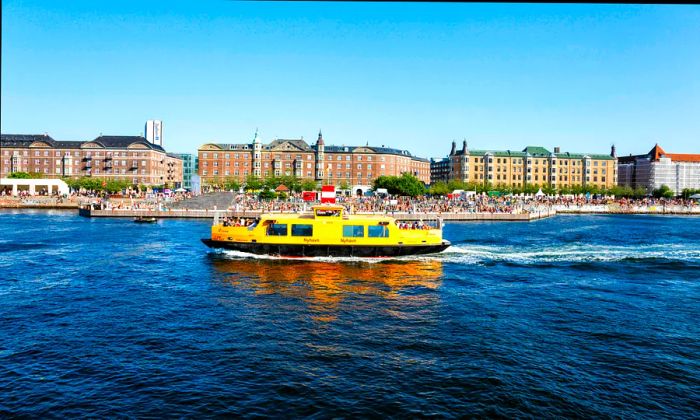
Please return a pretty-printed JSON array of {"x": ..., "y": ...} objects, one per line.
[
  {"x": 132, "y": 158},
  {"x": 354, "y": 165}
]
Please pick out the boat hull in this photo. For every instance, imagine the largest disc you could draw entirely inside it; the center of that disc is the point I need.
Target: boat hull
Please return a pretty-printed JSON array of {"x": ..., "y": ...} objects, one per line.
[{"x": 305, "y": 250}]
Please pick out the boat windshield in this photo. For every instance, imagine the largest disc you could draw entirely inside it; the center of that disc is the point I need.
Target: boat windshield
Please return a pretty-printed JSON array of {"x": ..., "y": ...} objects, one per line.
[{"x": 328, "y": 212}]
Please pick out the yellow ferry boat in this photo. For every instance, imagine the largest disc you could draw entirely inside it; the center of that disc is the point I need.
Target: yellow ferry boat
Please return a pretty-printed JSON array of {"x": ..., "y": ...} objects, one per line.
[{"x": 328, "y": 231}]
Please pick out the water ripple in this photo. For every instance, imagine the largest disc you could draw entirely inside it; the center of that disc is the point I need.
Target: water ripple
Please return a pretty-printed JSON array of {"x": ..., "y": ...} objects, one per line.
[{"x": 567, "y": 317}]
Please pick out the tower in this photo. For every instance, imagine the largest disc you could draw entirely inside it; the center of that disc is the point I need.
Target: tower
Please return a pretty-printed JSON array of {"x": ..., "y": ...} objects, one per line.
[
  {"x": 257, "y": 154},
  {"x": 464, "y": 176},
  {"x": 320, "y": 155},
  {"x": 154, "y": 132}
]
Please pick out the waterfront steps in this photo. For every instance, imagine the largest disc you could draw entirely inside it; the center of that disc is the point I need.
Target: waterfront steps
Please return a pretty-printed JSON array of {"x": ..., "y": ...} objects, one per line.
[{"x": 210, "y": 201}]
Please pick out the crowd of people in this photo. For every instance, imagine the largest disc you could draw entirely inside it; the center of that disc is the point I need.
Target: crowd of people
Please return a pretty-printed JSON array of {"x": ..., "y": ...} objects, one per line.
[
  {"x": 469, "y": 204},
  {"x": 394, "y": 205},
  {"x": 293, "y": 203}
]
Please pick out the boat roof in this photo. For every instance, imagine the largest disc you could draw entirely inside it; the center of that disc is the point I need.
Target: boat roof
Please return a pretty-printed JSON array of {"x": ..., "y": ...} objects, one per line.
[
  {"x": 328, "y": 207},
  {"x": 311, "y": 216}
]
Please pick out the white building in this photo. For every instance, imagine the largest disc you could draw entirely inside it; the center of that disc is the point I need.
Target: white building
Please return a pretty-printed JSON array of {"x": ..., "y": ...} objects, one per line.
[
  {"x": 154, "y": 132},
  {"x": 678, "y": 171}
]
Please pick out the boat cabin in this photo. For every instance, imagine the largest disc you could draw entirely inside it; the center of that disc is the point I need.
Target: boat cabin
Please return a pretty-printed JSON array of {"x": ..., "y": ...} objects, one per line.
[{"x": 328, "y": 212}]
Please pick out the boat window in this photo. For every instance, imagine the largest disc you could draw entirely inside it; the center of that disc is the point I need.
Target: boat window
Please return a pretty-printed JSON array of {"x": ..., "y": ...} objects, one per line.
[
  {"x": 353, "y": 231},
  {"x": 277, "y": 229},
  {"x": 377, "y": 232},
  {"x": 302, "y": 230},
  {"x": 327, "y": 213}
]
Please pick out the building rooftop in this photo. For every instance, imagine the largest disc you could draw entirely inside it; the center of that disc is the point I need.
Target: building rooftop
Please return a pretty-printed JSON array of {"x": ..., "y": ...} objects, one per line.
[
  {"x": 120, "y": 142},
  {"x": 657, "y": 152},
  {"x": 537, "y": 151},
  {"x": 24, "y": 140},
  {"x": 533, "y": 151},
  {"x": 108, "y": 142}
]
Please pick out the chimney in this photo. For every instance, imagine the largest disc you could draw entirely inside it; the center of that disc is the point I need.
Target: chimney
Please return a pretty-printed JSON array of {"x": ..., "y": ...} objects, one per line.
[
  {"x": 613, "y": 152},
  {"x": 557, "y": 150},
  {"x": 454, "y": 148}
]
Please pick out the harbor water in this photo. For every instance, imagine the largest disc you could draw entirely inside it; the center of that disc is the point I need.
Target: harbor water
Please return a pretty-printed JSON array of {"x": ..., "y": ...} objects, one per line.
[{"x": 576, "y": 316}]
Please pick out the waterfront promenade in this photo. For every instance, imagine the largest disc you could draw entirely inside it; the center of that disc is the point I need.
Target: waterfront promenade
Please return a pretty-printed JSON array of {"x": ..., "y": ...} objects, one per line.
[{"x": 239, "y": 205}]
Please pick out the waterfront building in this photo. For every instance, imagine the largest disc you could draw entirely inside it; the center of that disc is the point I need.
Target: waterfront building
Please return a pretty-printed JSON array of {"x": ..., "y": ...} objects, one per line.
[
  {"x": 650, "y": 171},
  {"x": 187, "y": 168},
  {"x": 110, "y": 157},
  {"x": 440, "y": 170},
  {"x": 326, "y": 164},
  {"x": 154, "y": 132},
  {"x": 533, "y": 165}
]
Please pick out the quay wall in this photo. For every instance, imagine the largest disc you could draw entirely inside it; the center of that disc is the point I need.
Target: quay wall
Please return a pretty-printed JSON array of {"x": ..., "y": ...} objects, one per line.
[
  {"x": 38, "y": 204},
  {"x": 209, "y": 214},
  {"x": 618, "y": 209}
]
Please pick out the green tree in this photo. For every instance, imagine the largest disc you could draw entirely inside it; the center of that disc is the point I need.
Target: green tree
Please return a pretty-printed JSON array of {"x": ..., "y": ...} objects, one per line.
[
  {"x": 19, "y": 175},
  {"x": 291, "y": 182},
  {"x": 272, "y": 182},
  {"x": 455, "y": 184},
  {"x": 549, "y": 190},
  {"x": 439, "y": 188},
  {"x": 253, "y": 183},
  {"x": 344, "y": 185},
  {"x": 531, "y": 188},
  {"x": 663, "y": 192},
  {"x": 687, "y": 192},
  {"x": 308, "y": 185},
  {"x": 565, "y": 190},
  {"x": 406, "y": 184},
  {"x": 267, "y": 194},
  {"x": 232, "y": 184}
]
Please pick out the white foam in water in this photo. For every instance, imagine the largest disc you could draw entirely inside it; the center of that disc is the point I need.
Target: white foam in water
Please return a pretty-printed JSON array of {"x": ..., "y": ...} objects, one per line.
[
  {"x": 245, "y": 255},
  {"x": 569, "y": 253}
]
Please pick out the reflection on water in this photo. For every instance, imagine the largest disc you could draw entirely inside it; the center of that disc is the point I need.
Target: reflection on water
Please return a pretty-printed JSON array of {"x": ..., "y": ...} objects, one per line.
[{"x": 324, "y": 285}]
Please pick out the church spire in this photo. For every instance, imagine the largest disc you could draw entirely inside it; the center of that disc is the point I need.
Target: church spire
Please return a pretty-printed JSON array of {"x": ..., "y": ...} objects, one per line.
[
  {"x": 257, "y": 137},
  {"x": 320, "y": 138}
]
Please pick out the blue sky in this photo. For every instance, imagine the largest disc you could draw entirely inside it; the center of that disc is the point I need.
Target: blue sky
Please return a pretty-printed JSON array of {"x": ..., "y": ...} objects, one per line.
[{"x": 408, "y": 75}]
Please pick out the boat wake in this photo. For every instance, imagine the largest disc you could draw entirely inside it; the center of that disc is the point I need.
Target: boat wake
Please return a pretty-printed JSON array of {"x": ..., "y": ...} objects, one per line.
[{"x": 570, "y": 253}]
